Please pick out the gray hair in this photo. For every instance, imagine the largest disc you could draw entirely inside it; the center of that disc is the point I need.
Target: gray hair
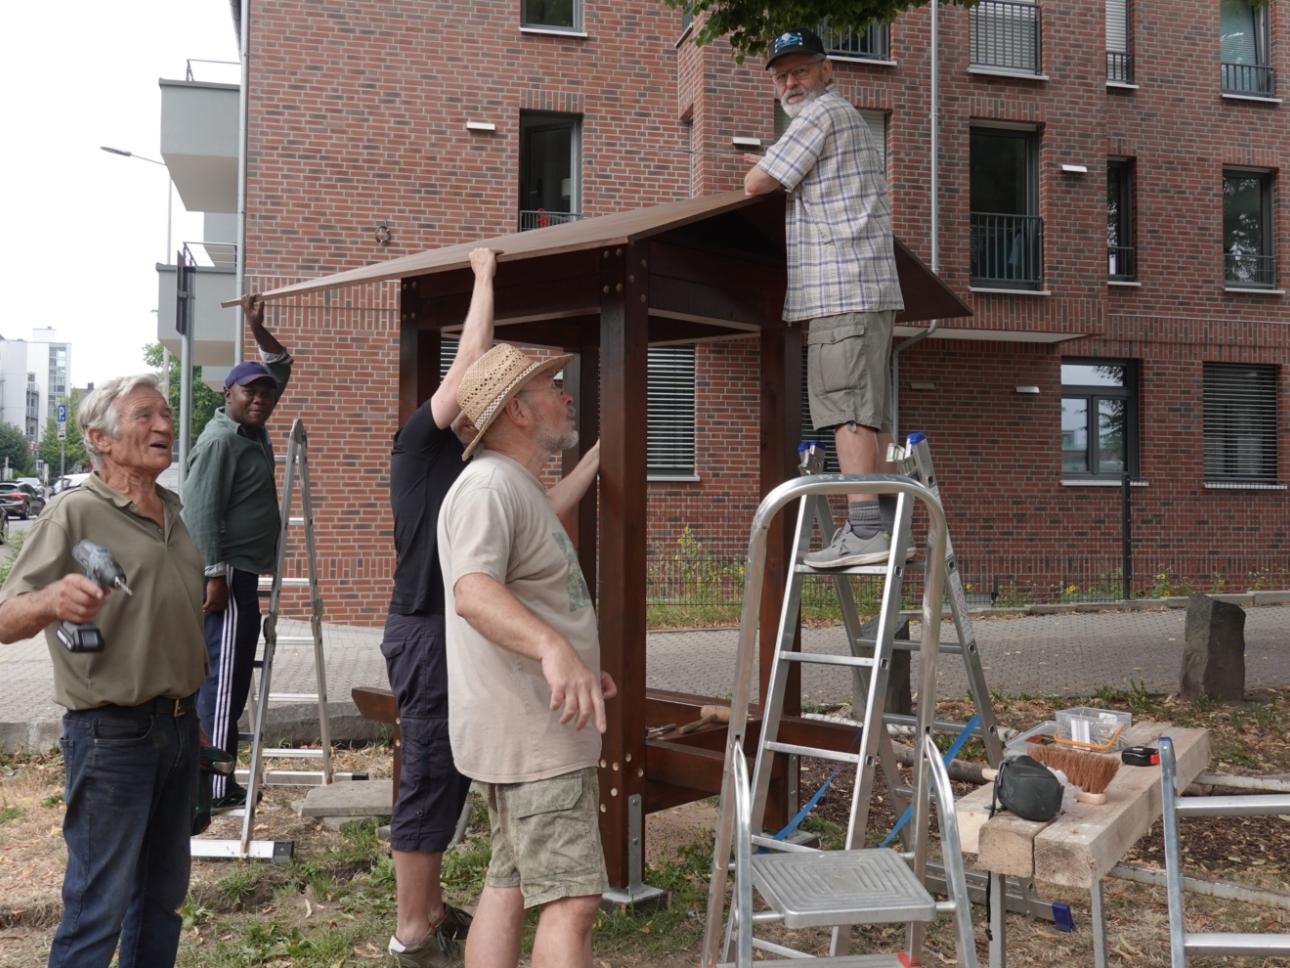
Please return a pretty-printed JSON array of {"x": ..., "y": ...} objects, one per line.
[{"x": 98, "y": 410}]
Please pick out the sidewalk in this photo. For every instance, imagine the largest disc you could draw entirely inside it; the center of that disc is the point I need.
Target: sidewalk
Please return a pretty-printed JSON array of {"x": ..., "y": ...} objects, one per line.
[{"x": 1064, "y": 654}]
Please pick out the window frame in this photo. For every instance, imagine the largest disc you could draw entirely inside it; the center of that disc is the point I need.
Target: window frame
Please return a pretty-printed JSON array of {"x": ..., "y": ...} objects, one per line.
[
  {"x": 1228, "y": 395},
  {"x": 529, "y": 120},
  {"x": 1092, "y": 395},
  {"x": 1255, "y": 80},
  {"x": 1126, "y": 223},
  {"x": 982, "y": 221},
  {"x": 576, "y": 10},
  {"x": 1266, "y": 273},
  {"x": 1119, "y": 59}
]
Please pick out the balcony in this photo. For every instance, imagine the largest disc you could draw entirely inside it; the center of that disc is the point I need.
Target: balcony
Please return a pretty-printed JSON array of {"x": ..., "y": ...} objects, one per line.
[
  {"x": 1007, "y": 251},
  {"x": 872, "y": 43},
  {"x": 1250, "y": 80},
  {"x": 1122, "y": 263},
  {"x": 214, "y": 328},
  {"x": 1006, "y": 37},
  {"x": 1249, "y": 270},
  {"x": 540, "y": 218},
  {"x": 1119, "y": 67},
  {"x": 199, "y": 142}
]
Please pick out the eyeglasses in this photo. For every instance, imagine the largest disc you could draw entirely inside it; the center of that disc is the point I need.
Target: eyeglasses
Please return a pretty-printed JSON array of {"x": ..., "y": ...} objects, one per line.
[{"x": 796, "y": 73}]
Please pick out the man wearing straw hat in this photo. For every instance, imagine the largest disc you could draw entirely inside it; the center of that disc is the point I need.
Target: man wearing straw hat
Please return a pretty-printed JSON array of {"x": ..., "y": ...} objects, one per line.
[{"x": 524, "y": 677}]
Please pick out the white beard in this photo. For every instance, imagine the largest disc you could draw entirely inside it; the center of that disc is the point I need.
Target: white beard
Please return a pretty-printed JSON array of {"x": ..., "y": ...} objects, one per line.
[{"x": 795, "y": 108}]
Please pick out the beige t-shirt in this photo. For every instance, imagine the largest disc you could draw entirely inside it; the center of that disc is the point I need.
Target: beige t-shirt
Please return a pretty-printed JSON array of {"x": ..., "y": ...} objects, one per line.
[{"x": 496, "y": 521}]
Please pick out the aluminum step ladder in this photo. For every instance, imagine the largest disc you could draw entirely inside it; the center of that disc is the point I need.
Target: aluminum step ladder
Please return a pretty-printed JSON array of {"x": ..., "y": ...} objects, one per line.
[
  {"x": 854, "y": 886},
  {"x": 1173, "y": 807},
  {"x": 295, "y": 476}
]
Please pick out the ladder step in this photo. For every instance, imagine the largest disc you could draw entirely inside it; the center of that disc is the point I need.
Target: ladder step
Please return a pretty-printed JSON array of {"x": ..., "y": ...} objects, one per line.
[
  {"x": 294, "y": 640},
  {"x": 295, "y": 520},
  {"x": 1236, "y": 944},
  {"x": 814, "y": 752},
  {"x": 293, "y": 697},
  {"x": 842, "y": 887},
  {"x": 823, "y": 658},
  {"x": 842, "y": 961},
  {"x": 267, "y": 583},
  {"x": 287, "y": 752}
]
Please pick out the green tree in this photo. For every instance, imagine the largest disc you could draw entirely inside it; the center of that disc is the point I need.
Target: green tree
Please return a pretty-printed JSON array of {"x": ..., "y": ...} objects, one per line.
[
  {"x": 750, "y": 25},
  {"x": 16, "y": 449},
  {"x": 74, "y": 452},
  {"x": 205, "y": 400}
]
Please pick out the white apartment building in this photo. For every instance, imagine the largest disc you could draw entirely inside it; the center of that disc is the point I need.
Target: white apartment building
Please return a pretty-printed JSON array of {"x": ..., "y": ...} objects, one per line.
[{"x": 35, "y": 375}]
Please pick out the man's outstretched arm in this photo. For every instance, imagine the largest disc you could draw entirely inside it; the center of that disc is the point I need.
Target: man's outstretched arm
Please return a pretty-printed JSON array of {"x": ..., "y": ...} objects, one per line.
[{"x": 476, "y": 337}]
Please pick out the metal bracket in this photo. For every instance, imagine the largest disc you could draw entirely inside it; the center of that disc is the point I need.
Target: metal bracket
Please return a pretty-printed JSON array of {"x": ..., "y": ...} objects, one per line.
[{"x": 637, "y": 895}]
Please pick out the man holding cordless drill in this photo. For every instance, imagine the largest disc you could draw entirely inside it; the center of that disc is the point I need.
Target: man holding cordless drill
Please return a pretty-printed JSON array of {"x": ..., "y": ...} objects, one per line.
[{"x": 130, "y": 735}]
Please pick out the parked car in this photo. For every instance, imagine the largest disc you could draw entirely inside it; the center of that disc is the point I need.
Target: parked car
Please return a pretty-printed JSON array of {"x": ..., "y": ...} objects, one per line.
[
  {"x": 68, "y": 482},
  {"x": 21, "y": 500}
]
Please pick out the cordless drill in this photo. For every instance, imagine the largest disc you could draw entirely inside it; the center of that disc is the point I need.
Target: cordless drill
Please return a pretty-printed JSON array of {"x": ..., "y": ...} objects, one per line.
[{"x": 99, "y": 566}]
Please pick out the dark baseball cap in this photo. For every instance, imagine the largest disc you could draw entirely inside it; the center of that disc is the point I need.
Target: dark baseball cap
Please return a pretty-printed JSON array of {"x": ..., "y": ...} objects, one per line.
[
  {"x": 799, "y": 41},
  {"x": 248, "y": 372}
]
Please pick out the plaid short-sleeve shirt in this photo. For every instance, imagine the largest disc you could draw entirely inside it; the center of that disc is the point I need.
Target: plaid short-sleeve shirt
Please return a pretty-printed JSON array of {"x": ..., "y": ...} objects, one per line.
[{"x": 841, "y": 258}]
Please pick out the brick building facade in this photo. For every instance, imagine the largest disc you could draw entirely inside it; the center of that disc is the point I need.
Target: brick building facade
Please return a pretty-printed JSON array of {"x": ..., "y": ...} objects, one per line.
[{"x": 379, "y": 129}]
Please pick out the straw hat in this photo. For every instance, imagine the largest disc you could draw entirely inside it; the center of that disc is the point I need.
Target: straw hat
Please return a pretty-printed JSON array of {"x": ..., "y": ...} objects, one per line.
[{"x": 493, "y": 379}]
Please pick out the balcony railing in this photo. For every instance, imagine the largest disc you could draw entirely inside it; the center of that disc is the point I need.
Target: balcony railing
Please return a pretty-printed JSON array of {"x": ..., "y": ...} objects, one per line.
[
  {"x": 540, "y": 218},
  {"x": 1258, "y": 80},
  {"x": 1007, "y": 250},
  {"x": 873, "y": 43},
  {"x": 1007, "y": 35},
  {"x": 1250, "y": 269},
  {"x": 1119, "y": 66},
  {"x": 1122, "y": 262}
]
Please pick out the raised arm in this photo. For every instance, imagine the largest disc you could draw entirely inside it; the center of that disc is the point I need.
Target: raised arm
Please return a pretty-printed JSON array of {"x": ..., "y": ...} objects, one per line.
[
  {"x": 494, "y": 612},
  {"x": 565, "y": 494},
  {"x": 253, "y": 313},
  {"x": 476, "y": 337}
]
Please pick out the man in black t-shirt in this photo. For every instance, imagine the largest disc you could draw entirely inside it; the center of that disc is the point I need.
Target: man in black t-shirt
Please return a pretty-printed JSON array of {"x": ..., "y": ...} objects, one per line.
[{"x": 426, "y": 460}]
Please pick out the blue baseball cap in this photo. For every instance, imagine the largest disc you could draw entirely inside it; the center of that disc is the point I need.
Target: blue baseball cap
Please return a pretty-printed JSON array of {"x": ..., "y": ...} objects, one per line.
[
  {"x": 248, "y": 372},
  {"x": 800, "y": 41}
]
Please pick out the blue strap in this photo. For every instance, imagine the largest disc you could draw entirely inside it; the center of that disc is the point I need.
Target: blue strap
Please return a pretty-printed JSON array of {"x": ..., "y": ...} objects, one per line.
[{"x": 964, "y": 735}]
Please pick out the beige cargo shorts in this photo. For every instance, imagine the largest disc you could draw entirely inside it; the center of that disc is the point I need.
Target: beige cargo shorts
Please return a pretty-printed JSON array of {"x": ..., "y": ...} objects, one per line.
[
  {"x": 546, "y": 837},
  {"x": 847, "y": 370}
]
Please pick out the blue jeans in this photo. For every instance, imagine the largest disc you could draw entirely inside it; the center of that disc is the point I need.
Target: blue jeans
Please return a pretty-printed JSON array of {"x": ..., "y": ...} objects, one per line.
[{"x": 130, "y": 779}]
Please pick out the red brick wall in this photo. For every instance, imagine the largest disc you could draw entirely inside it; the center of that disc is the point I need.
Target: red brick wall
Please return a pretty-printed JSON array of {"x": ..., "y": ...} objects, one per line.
[{"x": 358, "y": 117}]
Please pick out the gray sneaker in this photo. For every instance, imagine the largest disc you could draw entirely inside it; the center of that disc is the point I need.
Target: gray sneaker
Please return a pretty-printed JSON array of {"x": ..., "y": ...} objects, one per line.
[
  {"x": 446, "y": 945},
  {"x": 847, "y": 549}
]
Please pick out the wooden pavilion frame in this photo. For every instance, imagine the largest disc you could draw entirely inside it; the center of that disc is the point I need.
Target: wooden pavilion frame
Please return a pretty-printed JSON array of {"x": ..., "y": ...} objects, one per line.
[{"x": 606, "y": 289}]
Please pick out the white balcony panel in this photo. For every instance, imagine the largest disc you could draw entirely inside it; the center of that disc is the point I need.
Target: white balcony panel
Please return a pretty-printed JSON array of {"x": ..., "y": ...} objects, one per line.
[
  {"x": 199, "y": 142},
  {"x": 213, "y": 326}
]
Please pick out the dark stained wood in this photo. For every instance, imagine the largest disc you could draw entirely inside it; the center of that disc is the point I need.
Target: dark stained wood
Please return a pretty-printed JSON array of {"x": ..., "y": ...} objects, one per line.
[
  {"x": 380, "y": 706},
  {"x": 418, "y": 356},
  {"x": 624, "y": 278}
]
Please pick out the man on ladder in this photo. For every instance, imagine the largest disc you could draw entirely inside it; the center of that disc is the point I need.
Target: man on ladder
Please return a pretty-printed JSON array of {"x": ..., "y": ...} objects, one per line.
[
  {"x": 841, "y": 276},
  {"x": 231, "y": 510}
]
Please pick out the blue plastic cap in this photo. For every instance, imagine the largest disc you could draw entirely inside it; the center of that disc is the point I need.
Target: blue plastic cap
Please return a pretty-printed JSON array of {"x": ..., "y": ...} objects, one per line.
[
  {"x": 917, "y": 437},
  {"x": 1063, "y": 919},
  {"x": 804, "y": 445}
]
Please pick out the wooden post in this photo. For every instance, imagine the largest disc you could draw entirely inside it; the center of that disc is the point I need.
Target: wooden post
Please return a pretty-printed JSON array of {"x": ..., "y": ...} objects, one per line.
[
  {"x": 623, "y": 353},
  {"x": 418, "y": 352},
  {"x": 582, "y": 381}
]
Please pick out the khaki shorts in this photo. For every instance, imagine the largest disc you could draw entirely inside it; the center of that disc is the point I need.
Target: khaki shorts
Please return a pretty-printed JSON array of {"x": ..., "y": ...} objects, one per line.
[
  {"x": 546, "y": 837},
  {"x": 847, "y": 370}
]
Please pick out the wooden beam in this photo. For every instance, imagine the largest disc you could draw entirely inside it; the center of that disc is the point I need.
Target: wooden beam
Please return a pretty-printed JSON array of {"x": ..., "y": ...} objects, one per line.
[
  {"x": 418, "y": 353},
  {"x": 582, "y": 382},
  {"x": 624, "y": 283}
]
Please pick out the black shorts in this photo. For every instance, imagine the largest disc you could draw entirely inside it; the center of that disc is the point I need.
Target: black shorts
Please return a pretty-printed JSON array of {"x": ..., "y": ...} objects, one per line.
[{"x": 431, "y": 791}]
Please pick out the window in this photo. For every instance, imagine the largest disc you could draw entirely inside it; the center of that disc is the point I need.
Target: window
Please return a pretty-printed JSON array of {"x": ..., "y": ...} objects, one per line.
[
  {"x": 669, "y": 439},
  {"x": 1240, "y": 423},
  {"x": 1006, "y": 36},
  {"x": 550, "y": 150},
  {"x": 1099, "y": 419},
  {"x": 872, "y": 43},
  {"x": 687, "y": 17},
  {"x": 691, "y": 157},
  {"x": 1244, "y": 42},
  {"x": 1007, "y": 232},
  {"x": 552, "y": 15},
  {"x": 1119, "y": 57},
  {"x": 1248, "y": 258},
  {"x": 1122, "y": 261}
]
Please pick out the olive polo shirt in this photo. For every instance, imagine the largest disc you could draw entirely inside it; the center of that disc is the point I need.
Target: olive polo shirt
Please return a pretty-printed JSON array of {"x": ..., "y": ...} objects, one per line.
[{"x": 153, "y": 640}]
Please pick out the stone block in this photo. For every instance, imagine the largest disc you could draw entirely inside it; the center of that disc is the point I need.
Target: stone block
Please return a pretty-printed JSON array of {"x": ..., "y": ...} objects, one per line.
[{"x": 1214, "y": 654}]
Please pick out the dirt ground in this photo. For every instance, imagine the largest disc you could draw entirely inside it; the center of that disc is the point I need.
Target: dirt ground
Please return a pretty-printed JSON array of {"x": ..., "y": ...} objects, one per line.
[{"x": 309, "y": 901}]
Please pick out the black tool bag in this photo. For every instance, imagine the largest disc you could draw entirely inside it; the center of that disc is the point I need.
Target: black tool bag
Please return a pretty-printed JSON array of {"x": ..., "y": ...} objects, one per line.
[{"x": 1027, "y": 788}]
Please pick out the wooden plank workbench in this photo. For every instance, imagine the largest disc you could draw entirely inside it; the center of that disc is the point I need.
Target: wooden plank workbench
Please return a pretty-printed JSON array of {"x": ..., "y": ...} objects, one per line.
[{"x": 1081, "y": 846}]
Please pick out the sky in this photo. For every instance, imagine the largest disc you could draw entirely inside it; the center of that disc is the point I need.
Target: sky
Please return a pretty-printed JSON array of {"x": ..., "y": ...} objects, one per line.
[{"x": 81, "y": 231}]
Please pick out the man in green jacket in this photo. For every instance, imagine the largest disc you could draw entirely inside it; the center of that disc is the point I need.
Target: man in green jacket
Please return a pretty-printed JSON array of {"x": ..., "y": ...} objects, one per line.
[{"x": 231, "y": 510}]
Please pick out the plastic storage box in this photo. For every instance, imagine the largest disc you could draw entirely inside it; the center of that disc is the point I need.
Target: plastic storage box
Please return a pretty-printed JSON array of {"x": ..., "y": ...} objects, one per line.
[
  {"x": 1086, "y": 728},
  {"x": 1045, "y": 732}
]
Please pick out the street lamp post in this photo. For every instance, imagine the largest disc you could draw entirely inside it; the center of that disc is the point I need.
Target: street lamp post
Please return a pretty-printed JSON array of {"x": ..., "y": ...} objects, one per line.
[{"x": 186, "y": 341}]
